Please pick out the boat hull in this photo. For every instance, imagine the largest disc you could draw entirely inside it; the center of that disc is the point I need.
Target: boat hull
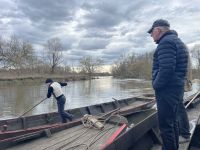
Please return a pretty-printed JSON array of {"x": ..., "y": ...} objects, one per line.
[
  {"x": 140, "y": 122},
  {"x": 30, "y": 124}
]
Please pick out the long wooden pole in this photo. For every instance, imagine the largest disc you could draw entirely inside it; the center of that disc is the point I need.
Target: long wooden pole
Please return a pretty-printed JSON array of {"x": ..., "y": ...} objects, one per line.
[
  {"x": 192, "y": 99},
  {"x": 32, "y": 107}
]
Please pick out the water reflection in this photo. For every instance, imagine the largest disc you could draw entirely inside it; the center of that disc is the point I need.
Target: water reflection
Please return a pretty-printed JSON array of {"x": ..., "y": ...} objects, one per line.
[{"x": 16, "y": 99}]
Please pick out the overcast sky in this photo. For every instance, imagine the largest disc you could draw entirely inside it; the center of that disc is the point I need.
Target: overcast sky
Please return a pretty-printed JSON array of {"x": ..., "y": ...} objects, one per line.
[{"x": 105, "y": 29}]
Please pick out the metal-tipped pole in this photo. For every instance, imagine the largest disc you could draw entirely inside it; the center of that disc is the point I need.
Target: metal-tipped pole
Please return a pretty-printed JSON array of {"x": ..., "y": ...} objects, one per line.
[
  {"x": 32, "y": 107},
  {"x": 192, "y": 99}
]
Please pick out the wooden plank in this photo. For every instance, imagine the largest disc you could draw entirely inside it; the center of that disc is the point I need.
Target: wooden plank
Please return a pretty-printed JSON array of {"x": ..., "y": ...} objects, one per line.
[
  {"x": 136, "y": 105},
  {"x": 50, "y": 118},
  {"x": 69, "y": 138},
  {"x": 185, "y": 146},
  {"x": 193, "y": 115},
  {"x": 44, "y": 142}
]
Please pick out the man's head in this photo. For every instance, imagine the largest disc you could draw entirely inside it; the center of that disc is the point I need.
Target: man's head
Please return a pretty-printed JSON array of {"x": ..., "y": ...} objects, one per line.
[
  {"x": 158, "y": 28},
  {"x": 48, "y": 81}
]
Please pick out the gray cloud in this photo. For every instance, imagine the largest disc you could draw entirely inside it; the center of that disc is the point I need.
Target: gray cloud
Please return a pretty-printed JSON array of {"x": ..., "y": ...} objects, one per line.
[
  {"x": 97, "y": 34},
  {"x": 108, "y": 14},
  {"x": 93, "y": 43},
  {"x": 48, "y": 10},
  {"x": 104, "y": 29}
]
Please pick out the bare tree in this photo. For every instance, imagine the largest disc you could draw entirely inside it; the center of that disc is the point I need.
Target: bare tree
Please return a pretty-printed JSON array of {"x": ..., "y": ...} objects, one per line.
[
  {"x": 54, "y": 53},
  {"x": 133, "y": 66},
  {"x": 16, "y": 53},
  {"x": 1, "y": 50},
  {"x": 90, "y": 65},
  {"x": 195, "y": 53}
]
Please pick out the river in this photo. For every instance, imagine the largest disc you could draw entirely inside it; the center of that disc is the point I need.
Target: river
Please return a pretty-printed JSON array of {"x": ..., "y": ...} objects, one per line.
[{"x": 15, "y": 99}]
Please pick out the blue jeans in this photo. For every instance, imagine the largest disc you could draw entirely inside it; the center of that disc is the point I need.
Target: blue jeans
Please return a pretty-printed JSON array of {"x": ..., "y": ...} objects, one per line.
[
  {"x": 183, "y": 122},
  {"x": 61, "y": 105},
  {"x": 168, "y": 100}
]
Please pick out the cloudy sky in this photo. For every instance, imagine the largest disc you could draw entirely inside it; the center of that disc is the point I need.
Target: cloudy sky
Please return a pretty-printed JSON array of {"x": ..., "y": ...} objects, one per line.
[{"x": 105, "y": 29}]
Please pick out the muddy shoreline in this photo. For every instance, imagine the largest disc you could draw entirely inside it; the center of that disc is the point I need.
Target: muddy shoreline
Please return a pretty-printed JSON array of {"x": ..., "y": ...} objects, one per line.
[{"x": 41, "y": 79}]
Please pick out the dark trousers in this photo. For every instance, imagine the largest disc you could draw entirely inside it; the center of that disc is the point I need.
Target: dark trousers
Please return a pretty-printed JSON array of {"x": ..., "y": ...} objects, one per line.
[
  {"x": 168, "y": 101},
  {"x": 61, "y": 105},
  {"x": 183, "y": 122}
]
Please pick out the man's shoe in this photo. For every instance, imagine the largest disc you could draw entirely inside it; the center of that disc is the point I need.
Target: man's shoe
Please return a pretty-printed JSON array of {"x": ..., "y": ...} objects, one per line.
[
  {"x": 183, "y": 139},
  {"x": 71, "y": 117},
  {"x": 64, "y": 121}
]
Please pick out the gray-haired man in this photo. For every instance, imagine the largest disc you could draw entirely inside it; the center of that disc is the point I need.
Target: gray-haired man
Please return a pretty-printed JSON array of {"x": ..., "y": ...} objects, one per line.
[{"x": 168, "y": 76}]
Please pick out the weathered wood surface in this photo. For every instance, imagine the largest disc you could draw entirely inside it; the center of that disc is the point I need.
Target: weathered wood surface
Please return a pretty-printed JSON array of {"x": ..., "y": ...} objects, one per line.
[
  {"x": 128, "y": 106},
  {"x": 77, "y": 136},
  {"x": 193, "y": 115},
  {"x": 52, "y": 118}
]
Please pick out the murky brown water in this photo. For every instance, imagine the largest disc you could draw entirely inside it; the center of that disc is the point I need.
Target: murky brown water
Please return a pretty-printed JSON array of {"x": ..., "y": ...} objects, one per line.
[{"x": 16, "y": 99}]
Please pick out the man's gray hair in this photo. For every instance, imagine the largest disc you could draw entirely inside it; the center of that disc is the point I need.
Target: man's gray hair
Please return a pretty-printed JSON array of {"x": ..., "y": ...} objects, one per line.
[{"x": 164, "y": 28}]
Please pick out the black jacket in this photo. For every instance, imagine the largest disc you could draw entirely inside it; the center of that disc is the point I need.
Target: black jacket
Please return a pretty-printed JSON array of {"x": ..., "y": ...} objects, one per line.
[{"x": 169, "y": 62}]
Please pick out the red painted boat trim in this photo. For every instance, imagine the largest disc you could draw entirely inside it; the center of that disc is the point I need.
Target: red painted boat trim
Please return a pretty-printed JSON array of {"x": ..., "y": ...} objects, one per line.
[{"x": 114, "y": 136}]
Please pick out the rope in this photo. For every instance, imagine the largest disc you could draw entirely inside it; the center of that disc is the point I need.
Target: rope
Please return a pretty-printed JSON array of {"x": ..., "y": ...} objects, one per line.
[
  {"x": 61, "y": 136},
  {"x": 87, "y": 122},
  {"x": 79, "y": 144},
  {"x": 82, "y": 133},
  {"x": 117, "y": 124},
  {"x": 72, "y": 140},
  {"x": 95, "y": 137},
  {"x": 103, "y": 132},
  {"x": 93, "y": 140}
]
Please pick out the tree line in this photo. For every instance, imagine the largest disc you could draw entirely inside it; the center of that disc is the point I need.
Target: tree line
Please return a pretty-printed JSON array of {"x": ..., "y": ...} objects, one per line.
[
  {"x": 19, "y": 56},
  {"x": 133, "y": 66},
  {"x": 195, "y": 60},
  {"x": 140, "y": 65}
]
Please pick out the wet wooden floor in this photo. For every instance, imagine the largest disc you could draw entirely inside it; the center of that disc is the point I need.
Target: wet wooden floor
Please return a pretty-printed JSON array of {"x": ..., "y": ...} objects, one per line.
[
  {"x": 79, "y": 138},
  {"x": 193, "y": 114}
]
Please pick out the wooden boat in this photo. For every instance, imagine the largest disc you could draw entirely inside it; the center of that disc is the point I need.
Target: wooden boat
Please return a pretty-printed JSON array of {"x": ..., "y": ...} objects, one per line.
[
  {"x": 195, "y": 140},
  {"x": 142, "y": 136},
  {"x": 145, "y": 135},
  {"x": 75, "y": 136},
  {"x": 142, "y": 133},
  {"x": 189, "y": 100},
  {"x": 29, "y": 124}
]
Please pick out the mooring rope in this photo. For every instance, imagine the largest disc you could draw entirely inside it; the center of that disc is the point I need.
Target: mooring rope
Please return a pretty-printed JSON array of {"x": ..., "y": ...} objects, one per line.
[
  {"x": 103, "y": 132},
  {"x": 80, "y": 144},
  {"x": 81, "y": 134}
]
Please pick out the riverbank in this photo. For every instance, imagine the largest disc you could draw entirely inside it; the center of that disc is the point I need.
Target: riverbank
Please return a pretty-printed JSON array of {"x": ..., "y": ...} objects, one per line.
[{"x": 6, "y": 80}]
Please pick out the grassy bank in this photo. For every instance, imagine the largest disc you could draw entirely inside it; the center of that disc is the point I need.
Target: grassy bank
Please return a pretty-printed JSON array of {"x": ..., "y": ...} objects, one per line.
[{"x": 38, "y": 79}]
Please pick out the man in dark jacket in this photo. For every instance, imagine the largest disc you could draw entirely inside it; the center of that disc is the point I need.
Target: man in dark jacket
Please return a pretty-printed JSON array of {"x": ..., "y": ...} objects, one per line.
[
  {"x": 183, "y": 121},
  {"x": 168, "y": 76},
  {"x": 55, "y": 89}
]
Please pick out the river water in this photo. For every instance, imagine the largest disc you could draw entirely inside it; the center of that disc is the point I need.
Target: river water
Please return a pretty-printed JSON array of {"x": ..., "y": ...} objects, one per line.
[{"x": 15, "y": 99}]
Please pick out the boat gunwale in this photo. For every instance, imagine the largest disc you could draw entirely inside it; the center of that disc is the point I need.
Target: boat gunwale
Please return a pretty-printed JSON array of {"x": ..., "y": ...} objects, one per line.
[{"x": 55, "y": 117}]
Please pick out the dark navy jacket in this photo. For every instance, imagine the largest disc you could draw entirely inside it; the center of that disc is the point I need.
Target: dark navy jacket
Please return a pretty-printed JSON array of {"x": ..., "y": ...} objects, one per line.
[{"x": 169, "y": 62}]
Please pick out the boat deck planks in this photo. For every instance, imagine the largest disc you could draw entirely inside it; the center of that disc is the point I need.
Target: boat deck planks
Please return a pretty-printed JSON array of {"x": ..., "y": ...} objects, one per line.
[
  {"x": 137, "y": 105},
  {"x": 71, "y": 136},
  {"x": 193, "y": 115}
]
